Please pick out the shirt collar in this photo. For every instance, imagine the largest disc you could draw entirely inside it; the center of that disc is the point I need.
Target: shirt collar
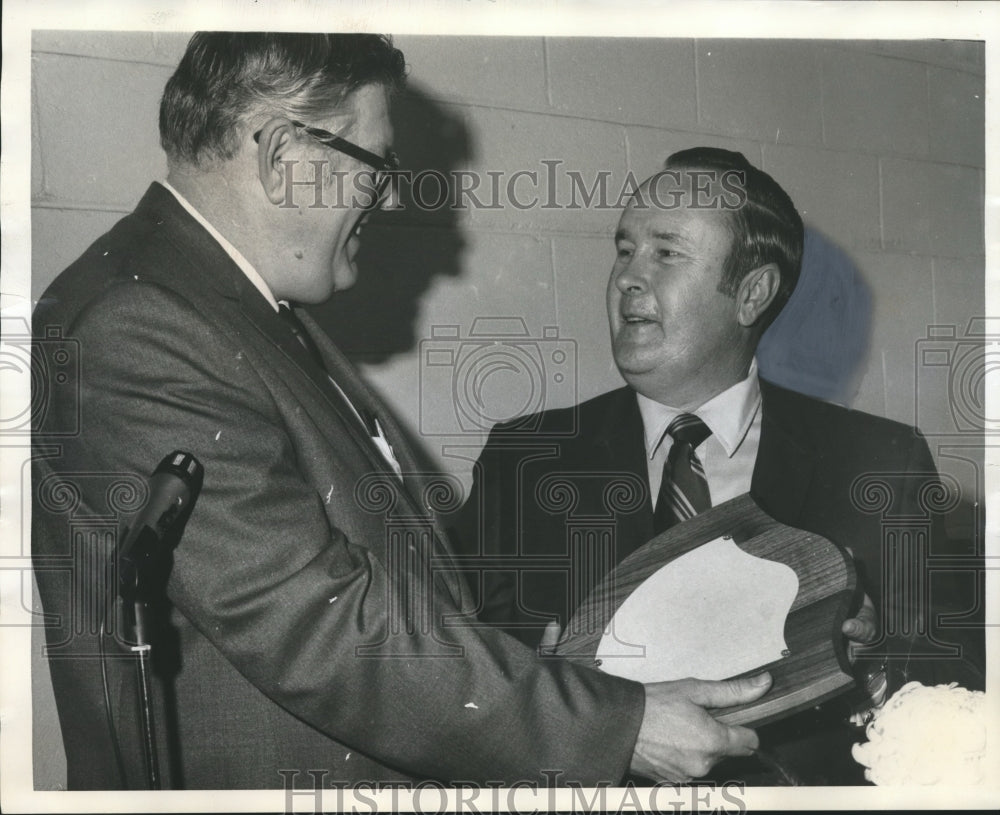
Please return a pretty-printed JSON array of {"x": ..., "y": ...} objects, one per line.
[
  {"x": 728, "y": 414},
  {"x": 251, "y": 273}
]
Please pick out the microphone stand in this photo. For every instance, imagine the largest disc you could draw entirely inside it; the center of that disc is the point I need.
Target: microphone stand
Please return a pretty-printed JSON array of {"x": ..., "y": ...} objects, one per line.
[
  {"x": 142, "y": 580},
  {"x": 137, "y": 619}
]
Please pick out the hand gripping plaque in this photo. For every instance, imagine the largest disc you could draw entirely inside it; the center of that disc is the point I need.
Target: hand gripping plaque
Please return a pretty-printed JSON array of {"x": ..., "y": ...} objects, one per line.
[{"x": 730, "y": 592}]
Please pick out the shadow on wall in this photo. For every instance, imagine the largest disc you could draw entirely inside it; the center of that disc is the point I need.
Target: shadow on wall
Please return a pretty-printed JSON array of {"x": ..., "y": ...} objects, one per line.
[
  {"x": 819, "y": 343},
  {"x": 403, "y": 250},
  {"x": 819, "y": 346}
]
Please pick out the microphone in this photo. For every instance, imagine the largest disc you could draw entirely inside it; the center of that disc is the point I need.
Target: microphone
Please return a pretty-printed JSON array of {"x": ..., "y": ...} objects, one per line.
[
  {"x": 173, "y": 488},
  {"x": 143, "y": 566}
]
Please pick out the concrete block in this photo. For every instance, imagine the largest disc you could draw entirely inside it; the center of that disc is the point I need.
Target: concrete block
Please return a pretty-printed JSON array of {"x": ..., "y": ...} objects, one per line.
[
  {"x": 763, "y": 89},
  {"x": 932, "y": 361},
  {"x": 932, "y": 208},
  {"x": 498, "y": 322},
  {"x": 649, "y": 147},
  {"x": 836, "y": 193},
  {"x": 637, "y": 81},
  {"x": 496, "y": 286},
  {"x": 500, "y": 275},
  {"x": 957, "y": 111},
  {"x": 414, "y": 279},
  {"x": 963, "y": 55},
  {"x": 37, "y": 167},
  {"x": 906, "y": 205},
  {"x": 950, "y": 397},
  {"x": 819, "y": 343},
  {"x": 903, "y": 307},
  {"x": 60, "y": 236},
  {"x": 98, "y": 126},
  {"x": 435, "y": 145},
  {"x": 130, "y": 46},
  {"x": 169, "y": 46},
  {"x": 504, "y": 71},
  {"x": 959, "y": 291},
  {"x": 870, "y": 397},
  {"x": 380, "y": 317},
  {"x": 582, "y": 266},
  {"x": 546, "y": 168},
  {"x": 873, "y": 103}
]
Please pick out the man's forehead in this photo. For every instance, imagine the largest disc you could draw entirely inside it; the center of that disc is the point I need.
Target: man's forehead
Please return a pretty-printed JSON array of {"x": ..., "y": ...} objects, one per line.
[
  {"x": 652, "y": 212},
  {"x": 698, "y": 187},
  {"x": 683, "y": 195}
]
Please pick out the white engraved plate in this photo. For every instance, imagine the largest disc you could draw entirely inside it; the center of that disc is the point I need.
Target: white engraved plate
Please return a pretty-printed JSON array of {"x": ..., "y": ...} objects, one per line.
[{"x": 712, "y": 613}]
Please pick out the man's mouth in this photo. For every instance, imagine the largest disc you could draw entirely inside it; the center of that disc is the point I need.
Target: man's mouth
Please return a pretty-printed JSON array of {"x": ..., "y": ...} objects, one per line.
[
  {"x": 637, "y": 319},
  {"x": 354, "y": 240}
]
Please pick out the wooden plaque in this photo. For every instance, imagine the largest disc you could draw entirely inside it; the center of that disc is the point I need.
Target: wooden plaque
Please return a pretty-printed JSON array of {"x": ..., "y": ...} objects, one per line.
[{"x": 812, "y": 667}]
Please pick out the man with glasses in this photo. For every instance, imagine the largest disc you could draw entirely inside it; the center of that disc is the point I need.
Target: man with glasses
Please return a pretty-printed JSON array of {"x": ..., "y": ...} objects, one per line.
[
  {"x": 382, "y": 166},
  {"x": 307, "y": 637}
]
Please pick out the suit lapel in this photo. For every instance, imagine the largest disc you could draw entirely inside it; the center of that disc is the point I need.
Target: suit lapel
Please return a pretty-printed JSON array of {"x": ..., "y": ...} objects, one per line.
[
  {"x": 363, "y": 398},
  {"x": 620, "y": 447},
  {"x": 163, "y": 212},
  {"x": 782, "y": 475},
  {"x": 785, "y": 459},
  {"x": 270, "y": 324},
  {"x": 204, "y": 253}
]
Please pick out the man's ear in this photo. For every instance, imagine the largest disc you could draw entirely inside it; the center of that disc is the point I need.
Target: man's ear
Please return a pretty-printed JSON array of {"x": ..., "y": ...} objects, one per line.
[
  {"x": 274, "y": 142},
  {"x": 757, "y": 291}
]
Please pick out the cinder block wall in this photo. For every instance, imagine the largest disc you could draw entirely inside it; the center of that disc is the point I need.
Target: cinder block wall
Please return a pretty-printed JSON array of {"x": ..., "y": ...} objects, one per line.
[{"x": 880, "y": 144}]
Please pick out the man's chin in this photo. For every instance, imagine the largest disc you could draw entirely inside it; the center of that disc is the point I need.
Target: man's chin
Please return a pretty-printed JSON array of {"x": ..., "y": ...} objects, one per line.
[
  {"x": 642, "y": 375},
  {"x": 339, "y": 280},
  {"x": 632, "y": 358},
  {"x": 345, "y": 275}
]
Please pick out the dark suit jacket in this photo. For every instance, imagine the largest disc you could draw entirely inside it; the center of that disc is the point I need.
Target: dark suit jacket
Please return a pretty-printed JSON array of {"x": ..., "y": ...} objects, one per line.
[
  {"x": 559, "y": 498},
  {"x": 308, "y": 591}
]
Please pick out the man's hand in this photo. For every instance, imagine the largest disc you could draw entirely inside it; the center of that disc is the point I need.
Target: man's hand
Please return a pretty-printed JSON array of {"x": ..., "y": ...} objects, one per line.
[
  {"x": 861, "y": 629},
  {"x": 550, "y": 638},
  {"x": 679, "y": 740}
]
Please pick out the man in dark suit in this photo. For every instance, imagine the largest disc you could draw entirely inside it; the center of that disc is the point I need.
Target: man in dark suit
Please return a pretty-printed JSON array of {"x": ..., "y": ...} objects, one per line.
[
  {"x": 305, "y": 628},
  {"x": 707, "y": 253}
]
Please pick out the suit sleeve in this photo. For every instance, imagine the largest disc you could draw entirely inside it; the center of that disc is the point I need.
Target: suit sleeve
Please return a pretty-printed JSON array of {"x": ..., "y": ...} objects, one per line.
[{"x": 288, "y": 599}]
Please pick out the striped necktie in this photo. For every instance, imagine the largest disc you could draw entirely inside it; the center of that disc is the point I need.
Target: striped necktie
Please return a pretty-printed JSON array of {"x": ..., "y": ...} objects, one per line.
[{"x": 684, "y": 489}]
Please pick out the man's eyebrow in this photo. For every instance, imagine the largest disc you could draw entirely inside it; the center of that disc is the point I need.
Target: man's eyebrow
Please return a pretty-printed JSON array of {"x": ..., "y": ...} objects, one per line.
[
  {"x": 673, "y": 237},
  {"x": 668, "y": 237}
]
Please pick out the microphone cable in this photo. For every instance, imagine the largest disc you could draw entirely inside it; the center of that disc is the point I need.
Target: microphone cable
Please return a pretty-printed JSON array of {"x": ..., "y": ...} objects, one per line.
[{"x": 113, "y": 731}]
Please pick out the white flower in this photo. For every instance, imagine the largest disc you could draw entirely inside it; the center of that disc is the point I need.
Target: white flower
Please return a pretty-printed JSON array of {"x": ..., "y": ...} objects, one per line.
[{"x": 926, "y": 735}]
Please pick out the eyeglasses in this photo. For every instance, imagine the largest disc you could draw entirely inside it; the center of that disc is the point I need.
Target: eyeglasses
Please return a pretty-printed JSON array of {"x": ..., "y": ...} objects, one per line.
[{"x": 383, "y": 166}]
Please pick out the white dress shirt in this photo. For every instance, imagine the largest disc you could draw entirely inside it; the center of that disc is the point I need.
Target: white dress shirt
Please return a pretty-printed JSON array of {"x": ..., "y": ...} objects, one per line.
[
  {"x": 728, "y": 455},
  {"x": 252, "y": 274},
  {"x": 378, "y": 438}
]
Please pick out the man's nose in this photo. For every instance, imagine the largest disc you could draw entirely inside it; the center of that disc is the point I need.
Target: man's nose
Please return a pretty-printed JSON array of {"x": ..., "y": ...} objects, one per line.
[{"x": 629, "y": 279}]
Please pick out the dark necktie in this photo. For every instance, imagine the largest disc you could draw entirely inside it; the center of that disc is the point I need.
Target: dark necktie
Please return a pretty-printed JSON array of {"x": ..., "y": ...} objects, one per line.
[
  {"x": 684, "y": 490},
  {"x": 299, "y": 330},
  {"x": 301, "y": 334}
]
